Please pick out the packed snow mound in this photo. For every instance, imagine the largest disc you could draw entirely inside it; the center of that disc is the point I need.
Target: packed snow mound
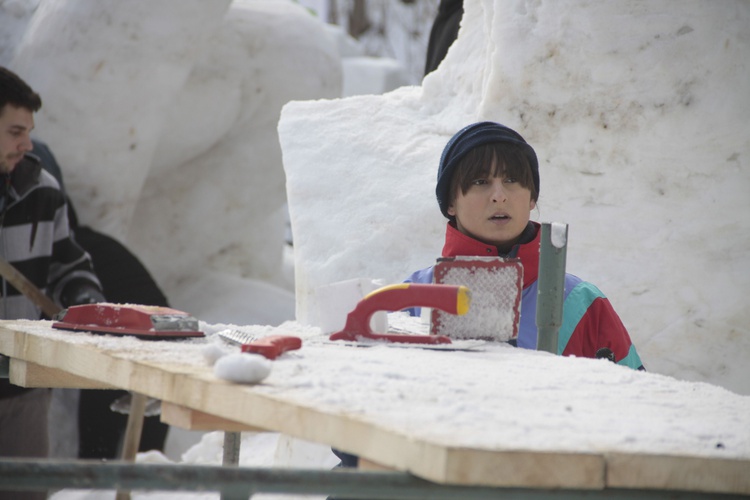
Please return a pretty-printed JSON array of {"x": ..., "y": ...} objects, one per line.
[{"x": 163, "y": 118}]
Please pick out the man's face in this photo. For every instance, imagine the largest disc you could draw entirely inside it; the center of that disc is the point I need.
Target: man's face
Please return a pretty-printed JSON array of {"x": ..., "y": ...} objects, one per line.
[
  {"x": 494, "y": 210},
  {"x": 15, "y": 126}
]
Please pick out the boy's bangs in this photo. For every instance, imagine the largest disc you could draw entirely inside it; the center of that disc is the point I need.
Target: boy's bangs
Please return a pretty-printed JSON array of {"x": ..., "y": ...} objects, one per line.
[{"x": 493, "y": 160}]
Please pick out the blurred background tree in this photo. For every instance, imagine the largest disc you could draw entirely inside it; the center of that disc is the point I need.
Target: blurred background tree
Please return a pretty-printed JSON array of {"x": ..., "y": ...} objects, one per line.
[{"x": 385, "y": 28}]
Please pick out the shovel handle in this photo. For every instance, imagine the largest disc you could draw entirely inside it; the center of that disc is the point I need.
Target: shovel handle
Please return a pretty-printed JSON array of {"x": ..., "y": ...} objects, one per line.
[{"x": 26, "y": 287}]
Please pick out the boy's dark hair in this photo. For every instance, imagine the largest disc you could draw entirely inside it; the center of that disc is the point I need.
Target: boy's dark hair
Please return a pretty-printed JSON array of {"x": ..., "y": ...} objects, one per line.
[
  {"x": 16, "y": 92},
  {"x": 479, "y": 134},
  {"x": 498, "y": 159}
]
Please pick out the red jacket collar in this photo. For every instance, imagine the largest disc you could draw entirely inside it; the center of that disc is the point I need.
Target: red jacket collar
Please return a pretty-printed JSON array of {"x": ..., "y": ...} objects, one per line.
[{"x": 457, "y": 244}]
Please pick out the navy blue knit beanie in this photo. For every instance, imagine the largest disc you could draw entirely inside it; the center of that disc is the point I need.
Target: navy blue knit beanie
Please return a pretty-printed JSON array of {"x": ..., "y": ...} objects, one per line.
[{"x": 467, "y": 139}]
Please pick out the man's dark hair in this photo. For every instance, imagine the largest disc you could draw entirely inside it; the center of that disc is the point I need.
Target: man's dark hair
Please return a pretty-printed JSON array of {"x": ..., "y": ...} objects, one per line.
[{"x": 16, "y": 92}]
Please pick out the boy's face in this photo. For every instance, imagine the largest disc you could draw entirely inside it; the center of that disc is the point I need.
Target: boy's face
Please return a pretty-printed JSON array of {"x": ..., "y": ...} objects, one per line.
[
  {"x": 494, "y": 210},
  {"x": 15, "y": 126}
]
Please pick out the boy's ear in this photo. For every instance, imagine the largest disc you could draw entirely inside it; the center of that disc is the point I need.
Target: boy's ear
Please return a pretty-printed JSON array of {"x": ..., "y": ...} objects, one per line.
[
  {"x": 532, "y": 204},
  {"x": 452, "y": 209}
]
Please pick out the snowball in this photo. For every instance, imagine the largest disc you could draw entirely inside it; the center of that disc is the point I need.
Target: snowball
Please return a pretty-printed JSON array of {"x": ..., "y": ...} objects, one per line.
[
  {"x": 212, "y": 353},
  {"x": 243, "y": 368}
]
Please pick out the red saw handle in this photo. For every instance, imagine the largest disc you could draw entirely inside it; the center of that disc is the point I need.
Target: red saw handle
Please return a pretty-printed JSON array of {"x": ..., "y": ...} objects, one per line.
[
  {"x": 449, "y": 298},
  {"x": 273, "y": 346}
]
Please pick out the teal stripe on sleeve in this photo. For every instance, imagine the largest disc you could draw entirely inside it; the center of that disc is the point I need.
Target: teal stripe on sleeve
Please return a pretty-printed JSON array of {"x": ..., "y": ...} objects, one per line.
[
  {"x": 575, "y": 306},
  {"x": 632, "y": 360}
]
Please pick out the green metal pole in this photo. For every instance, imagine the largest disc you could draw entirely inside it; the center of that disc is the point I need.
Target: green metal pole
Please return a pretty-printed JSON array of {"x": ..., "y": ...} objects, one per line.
[
  {"x": 240, "y": 482},
  {"x": 231, "y": 458},
  {"x": 232, "y": 443},
  {"x": 549, "y": 307}
]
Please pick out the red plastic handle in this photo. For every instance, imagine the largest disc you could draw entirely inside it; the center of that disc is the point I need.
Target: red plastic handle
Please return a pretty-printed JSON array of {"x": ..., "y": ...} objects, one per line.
[
  {"x": 449, "y": 298},
  {"x": 273, "y": 346}
]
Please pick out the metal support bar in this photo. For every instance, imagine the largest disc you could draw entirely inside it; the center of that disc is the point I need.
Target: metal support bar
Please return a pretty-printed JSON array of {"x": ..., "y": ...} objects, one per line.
[
  {"x": 232, "y": 441},
  {"x": 231, "y": 458},
  {"x": 551, "y": 285},
  {"x": 241, "y": 482}
]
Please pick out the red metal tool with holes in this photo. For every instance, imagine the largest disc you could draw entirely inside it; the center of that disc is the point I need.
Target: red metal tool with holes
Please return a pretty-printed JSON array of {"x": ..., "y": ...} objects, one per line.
[
  {"x": 269, "y": 346},
  {"x": 449, "y": 298},
  {"x": 273, "y": 346}
]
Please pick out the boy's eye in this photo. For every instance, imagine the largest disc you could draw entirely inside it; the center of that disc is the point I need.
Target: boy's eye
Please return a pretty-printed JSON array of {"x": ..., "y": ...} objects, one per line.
[
  {"x": 510, "y": 180},
  {"x": 479, "y": 182}
]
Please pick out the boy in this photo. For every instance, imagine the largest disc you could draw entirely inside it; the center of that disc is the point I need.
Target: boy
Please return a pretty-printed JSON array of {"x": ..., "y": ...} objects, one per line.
[
  {"x": 488, "y": 183},
  {"x": 487, "y": 186}
]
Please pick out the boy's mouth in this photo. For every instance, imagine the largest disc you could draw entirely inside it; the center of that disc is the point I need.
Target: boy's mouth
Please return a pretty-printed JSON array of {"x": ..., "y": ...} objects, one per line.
[{"x": 500, "y": 217}]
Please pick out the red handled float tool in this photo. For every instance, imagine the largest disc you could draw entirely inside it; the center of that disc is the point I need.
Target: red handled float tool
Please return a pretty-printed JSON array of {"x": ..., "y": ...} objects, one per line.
[{"x": 454, "y": 299}]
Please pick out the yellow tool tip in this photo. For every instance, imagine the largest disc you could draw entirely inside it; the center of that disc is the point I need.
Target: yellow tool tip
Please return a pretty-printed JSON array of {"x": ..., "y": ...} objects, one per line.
[{"x": 463, "y": 300}]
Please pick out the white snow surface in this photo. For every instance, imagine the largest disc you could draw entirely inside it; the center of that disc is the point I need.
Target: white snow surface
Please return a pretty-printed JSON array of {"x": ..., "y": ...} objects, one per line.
[
  {"x": 164, "y": 117},
  {"x": 520, "y": 399}
]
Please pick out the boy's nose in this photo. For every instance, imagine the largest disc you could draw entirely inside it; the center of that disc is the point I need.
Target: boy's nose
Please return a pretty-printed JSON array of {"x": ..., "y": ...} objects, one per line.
[{"x": 498, "y": 190}]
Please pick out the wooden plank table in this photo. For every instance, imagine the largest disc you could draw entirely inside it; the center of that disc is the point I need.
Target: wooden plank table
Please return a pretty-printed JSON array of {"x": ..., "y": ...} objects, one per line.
[{"x": 492, "y": 418}]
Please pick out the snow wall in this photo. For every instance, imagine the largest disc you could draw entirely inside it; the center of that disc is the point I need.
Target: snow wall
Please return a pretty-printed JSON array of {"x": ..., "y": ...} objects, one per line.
[{"x": 638, "y": 111}]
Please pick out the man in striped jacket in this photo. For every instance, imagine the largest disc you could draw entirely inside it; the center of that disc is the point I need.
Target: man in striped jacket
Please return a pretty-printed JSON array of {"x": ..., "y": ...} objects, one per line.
[{"x": 35, "y": 238}]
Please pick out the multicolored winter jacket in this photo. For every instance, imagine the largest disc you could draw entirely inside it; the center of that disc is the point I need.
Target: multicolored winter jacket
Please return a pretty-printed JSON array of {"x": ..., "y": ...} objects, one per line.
[{"x": 589, "y": 321}]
